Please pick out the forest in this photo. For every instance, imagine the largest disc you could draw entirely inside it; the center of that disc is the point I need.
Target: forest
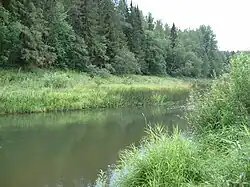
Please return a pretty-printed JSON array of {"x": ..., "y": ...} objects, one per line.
[{"x": 104, "y": 36}]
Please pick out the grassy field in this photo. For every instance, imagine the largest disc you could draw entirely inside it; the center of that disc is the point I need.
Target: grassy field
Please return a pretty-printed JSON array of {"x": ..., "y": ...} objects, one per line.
[{"x": 42, "y": 91}]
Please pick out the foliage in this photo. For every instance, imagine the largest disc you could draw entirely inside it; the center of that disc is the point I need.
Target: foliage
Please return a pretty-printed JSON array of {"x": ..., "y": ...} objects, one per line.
[
  {"x": 227, "y": 103},
  {"x": 9, "y": 37},
  {"x": 79, "y": 34},
  {"x": 56, "y": 80},
  {"x": 125, "y": 62},
  {"x": 70, "y": 48},
  {"x": 216, "y": 153}
]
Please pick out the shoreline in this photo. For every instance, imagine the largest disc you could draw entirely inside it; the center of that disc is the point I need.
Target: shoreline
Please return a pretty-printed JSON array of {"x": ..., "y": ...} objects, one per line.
[{"x": 60, "y": 91}]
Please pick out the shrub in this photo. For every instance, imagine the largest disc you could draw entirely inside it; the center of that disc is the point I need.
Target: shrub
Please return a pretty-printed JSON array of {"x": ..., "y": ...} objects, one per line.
[
  {"x": 125, "y": 62},
  {"x": 227, "y": 103},
  {"x": 56, "y": 80}
]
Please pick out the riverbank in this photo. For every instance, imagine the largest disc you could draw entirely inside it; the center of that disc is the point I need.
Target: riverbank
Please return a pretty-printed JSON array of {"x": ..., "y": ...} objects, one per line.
[
  {"x": 43, "y": 91},
  {"x": 164, "y": 160},
  {"x": 215, "y": 152}
]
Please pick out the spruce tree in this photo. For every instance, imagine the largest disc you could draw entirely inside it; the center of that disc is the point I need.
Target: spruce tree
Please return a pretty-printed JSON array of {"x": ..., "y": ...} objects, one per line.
[
  {"x": 136, "y": 37},
  {"x": 33, "y": 50},
  {"x": 111, "y": 28},
  {"x": 171, "y": 59},
  {"x": 85, "y": 21},
  {"x": 150, "y": 22},
  {"x": 173, "y": 36},
  {"x": 70, "y": 48}
]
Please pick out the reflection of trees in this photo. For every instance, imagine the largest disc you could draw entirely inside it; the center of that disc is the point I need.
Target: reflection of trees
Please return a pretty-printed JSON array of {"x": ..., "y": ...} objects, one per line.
[
  {"x": 69, "y": 145},
  {"x": 93, "y": 117}
]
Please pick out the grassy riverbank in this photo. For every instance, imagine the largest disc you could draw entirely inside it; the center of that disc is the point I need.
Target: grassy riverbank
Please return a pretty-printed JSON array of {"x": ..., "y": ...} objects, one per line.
[
  {"x": 164, "y": 160},
  {"x": 216, "y": 154},
  {"x": 42, "y": 91}
]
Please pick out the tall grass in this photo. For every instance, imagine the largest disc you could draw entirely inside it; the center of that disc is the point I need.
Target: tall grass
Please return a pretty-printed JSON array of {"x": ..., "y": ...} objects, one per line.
[
  {"x": 164, "y": 160},
  {"x": 217, "y": 153},
  {"x": 227, "y": 105},
  {"x": 160, "y": 161},
  {"x": 39, "y": 91}
]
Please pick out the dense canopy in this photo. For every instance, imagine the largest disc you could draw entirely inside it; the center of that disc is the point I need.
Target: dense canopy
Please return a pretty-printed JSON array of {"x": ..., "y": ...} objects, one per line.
[{"x": 103, "y": 35}]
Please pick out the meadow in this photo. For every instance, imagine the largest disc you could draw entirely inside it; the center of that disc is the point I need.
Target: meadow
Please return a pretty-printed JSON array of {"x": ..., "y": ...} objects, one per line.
[{"x": 55, "y": 90}]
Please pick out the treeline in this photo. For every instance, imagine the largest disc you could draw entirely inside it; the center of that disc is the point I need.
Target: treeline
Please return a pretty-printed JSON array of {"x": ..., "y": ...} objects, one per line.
[{"x": 103, "y": 36}]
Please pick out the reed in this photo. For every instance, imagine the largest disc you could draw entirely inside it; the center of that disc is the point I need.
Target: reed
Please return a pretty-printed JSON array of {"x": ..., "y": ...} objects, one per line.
[{"x": 43, "y": 91}]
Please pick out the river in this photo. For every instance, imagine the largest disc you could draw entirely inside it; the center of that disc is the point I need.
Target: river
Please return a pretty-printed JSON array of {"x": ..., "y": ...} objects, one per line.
[{"x": 69, "y": 149}]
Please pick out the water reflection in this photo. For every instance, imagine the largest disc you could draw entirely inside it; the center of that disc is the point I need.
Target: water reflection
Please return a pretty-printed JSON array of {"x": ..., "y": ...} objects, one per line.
[{"x": 70, "y": 148}]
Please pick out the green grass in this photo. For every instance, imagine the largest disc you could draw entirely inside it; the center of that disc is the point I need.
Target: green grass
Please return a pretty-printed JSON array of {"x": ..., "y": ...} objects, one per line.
[
  {"x": 216, "y": 151},
  {"x": 42, "y": 91},
  {"x": 164, "y": 160}
]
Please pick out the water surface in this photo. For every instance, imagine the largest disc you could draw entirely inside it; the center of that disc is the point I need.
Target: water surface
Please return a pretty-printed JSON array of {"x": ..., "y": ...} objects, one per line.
[{"x": 48, "y": 150}]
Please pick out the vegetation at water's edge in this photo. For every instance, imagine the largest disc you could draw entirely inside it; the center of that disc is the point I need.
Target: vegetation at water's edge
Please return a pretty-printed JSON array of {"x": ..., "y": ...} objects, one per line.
[
  {"x": 98, "y": 37},
  {"x": 217, "y": 153},
  {"x": 41, "y": 91},
  {"x": 101, "y": 36}
]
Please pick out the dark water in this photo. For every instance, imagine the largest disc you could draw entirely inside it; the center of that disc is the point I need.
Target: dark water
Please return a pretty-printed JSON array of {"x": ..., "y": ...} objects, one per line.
[{"x": 70, "y": 148}]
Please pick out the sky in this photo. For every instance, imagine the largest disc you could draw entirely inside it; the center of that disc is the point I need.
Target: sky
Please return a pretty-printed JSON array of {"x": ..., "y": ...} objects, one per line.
[{"x": 229, "y": 19}]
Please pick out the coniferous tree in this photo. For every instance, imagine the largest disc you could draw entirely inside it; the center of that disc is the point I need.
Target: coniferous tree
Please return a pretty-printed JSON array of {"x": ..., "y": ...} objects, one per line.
[
  {"x": 111, "y": 28},
  {"x": 70, "y": 48},
  {"x": 90, "y": 35},
  {"x": 171, "y": 59},
  {"x": 159, "y": 30},
  {"x": 85, "y": 21},
  {"x": 136, "y": 37},
  {"x": 33, "y": 50},
  {"x": 150, "y": 22}
]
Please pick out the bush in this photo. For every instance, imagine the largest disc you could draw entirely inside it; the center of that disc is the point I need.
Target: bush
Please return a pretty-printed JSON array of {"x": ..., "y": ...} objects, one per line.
[
  {"x": 56, "y": 80},
  {"x": 125, "y": 62},
  {"x": 95, "y": 71},
  {"x": 227, "y": 103}
]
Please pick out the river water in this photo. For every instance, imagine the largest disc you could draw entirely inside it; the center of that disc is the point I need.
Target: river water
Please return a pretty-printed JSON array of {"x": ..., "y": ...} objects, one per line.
[{"x": 69, "y": 149}]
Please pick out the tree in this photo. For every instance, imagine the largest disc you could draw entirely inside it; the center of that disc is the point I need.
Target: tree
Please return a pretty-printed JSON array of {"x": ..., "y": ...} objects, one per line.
[
  {"x": 111, "y": 28},
  {"x": 209, "y": 51},
  {"x": 85, "y": 21},
  {"x": 84, "y": 34},
  {"x": 33, "y": 50},
  {"x": 9, "y": 38},
  {"x": 171, "y": 59},
  {"x": 192, "y": 66},
  {"x": 159, "y": 30},
  {"x": 136, "y": 36},
  {"x": 154, "y": 55},
  {"x": 70, "y": 48},
  {"x": 125, "y": 62},
  {"x": 150, "y": 22}
]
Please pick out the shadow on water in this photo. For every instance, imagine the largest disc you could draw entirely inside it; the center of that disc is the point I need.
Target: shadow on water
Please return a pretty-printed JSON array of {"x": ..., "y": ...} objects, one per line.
[{"x": 41, "y": 150}]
